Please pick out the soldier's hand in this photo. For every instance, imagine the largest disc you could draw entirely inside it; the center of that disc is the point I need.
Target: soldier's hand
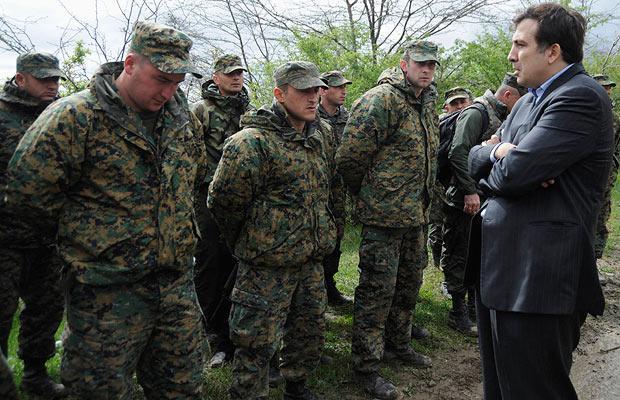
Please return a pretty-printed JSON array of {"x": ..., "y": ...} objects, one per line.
[
  {"x": 472, "y": 204},
  {"x": 502, "y": 150},
  {"x": 492, "y": 141}
]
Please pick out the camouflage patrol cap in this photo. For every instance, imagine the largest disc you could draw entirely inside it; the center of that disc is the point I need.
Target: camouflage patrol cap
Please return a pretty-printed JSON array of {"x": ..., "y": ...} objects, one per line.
[
  {"x": 335, "y": 78},
  {"x": 299, "y": 74},
  {"x": 456, "y": 93},
  {"x": 228, "y": 63},
  {"x": 39, "y": 65},
  {"x": 510, "y": 79},
  {"x": 604, "y": 80},
  {"x": 421, "y": 50},
  {"x": 165, "y": 47}
]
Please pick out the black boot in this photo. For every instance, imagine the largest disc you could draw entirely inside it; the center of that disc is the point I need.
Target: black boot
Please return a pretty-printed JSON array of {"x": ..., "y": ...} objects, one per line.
[
  {"x": 471, "y": 304},
  {"x": 37, "y": 382},
  {"x": 377, "y": 387},
  {"x": 458, "y": 318},
  {"x": 298, "y": 391},
  {"x": 334, "y": 297}
]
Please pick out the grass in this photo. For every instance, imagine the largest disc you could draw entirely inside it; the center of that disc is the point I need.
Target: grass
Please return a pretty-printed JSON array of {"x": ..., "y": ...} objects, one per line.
[{"x": 334, "y": 381}]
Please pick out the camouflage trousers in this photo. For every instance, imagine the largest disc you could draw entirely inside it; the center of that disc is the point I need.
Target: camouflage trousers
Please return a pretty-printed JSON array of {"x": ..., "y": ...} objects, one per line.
[
  {"x": 33, "y": 275},
  {"x": 270, "y": 306},
  {"x": 331, "y": 263},
  {"x": 153, "y": 327},
  {"x": 600, "y": 239},
  {"x": 7, "y": 386},
  {"x": 454, "y": 252},
  {"x": 392, "y": 263}
]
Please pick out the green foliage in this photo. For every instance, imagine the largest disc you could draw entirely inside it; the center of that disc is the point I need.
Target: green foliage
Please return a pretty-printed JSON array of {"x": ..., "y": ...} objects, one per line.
[
  {"x": 477, "y": 65},
  {"x": 74, "y": 67}
]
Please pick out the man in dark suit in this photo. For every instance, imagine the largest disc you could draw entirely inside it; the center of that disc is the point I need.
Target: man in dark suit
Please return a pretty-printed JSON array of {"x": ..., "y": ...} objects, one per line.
[{"x": 532, "y": 248}]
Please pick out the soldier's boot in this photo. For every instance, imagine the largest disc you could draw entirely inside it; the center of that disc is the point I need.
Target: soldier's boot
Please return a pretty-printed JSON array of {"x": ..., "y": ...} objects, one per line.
[
  {"x": 377, "y": 387},
  {"x": 471, "y": 305},
  {"x": 298, "y": 391},
  {"x": 419, "y": 332},
  {"x": 334, "y": 297},
  {"x": 407, "y": 356},
  {"x": 458, "y": 318},
  {"x": 36, "y": 381}
]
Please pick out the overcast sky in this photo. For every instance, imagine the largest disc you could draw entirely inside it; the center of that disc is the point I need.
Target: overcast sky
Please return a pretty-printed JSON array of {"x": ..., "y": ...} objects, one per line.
[{"x": 49, "y": 19}]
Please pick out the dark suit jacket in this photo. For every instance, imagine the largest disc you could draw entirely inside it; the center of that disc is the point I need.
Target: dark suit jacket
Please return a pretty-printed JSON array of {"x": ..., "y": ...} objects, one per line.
[{"x": 531, "y": 248}]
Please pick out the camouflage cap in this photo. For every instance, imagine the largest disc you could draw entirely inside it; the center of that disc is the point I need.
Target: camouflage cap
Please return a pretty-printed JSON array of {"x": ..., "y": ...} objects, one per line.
[
  {"x": 604, "y": 80},
  {"x": 421, "y": 50},
  {"x": 165, "y": 47},
  {"x": 228, "y": 63},
  {"x": 335, "y": 78},
  {"x": 39, "y": 65},
  {"x": 299, "y": 74},
  {"x": 456, "y": 93},
  {"x": 510, "y": 79}
]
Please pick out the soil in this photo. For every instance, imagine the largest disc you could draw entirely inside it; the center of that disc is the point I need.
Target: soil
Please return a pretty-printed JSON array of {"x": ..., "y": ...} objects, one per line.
[{"x": 456, "y": 375}]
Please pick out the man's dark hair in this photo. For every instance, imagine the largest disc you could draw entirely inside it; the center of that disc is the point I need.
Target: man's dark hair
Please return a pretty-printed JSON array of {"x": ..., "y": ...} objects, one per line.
[{"x": 557, "y": 24}]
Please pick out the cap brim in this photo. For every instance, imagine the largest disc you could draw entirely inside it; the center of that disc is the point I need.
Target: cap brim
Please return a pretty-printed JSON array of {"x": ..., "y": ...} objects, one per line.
[
  {"x": 425, "y": 58},
  {"x": 340, "y": 82},
  {"x": 308, "y": 82},
  {"x": 234, "y": 68},
  {"x": 49, "y": 73},
  {"x": 452, "y": 98}
]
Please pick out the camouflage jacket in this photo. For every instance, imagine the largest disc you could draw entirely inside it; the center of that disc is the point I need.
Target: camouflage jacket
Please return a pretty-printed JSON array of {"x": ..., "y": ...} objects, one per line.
[
  {"x": 270, "y": 191},
  {"x": 338, "y": 121},
  {"x": 124, "y": 205},
  {"x": 469, "y": 133},
  {"x": 18, "y": 110},
  {"x": 388, "y": 152}
]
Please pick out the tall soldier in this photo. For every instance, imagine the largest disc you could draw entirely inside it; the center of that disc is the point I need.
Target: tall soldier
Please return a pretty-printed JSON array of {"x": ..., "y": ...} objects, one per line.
[
  {"x": 29, "y": 266},
  {"x": 269, "y": 196},
  {"x": 474, "y": 125},
  {"x": 388, "y": 159},
  {"x": 225, "y": 100},
  {"x": 602, "y": 233},
  {"x": 115, "y": 169},
  {"x": 331, "y": 109}
]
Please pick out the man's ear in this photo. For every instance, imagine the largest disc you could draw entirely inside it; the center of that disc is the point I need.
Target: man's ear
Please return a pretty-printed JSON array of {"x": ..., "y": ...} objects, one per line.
[
  {"x": 278, "y": 94},
  {"x": 20, "y": 79},
  {"x": 130, "y": 63},
  {"x": 554, "y": 52}
]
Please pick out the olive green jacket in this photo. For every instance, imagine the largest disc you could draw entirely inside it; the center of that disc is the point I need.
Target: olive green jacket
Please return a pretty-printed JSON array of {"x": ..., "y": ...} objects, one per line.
[{"x": 124, "y": 206}]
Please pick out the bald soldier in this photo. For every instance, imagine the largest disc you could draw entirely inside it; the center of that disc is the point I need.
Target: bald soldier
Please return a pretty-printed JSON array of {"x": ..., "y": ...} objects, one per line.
[
  {"x": 29, "y": 266},
  {"x": 115, "y": 169}
]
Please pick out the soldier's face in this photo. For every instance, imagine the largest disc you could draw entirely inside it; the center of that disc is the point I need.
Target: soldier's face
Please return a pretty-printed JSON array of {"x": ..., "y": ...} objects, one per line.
[
  {"x": 149, "y": 88},
  {"x": 335, "y": 95},
  {"x": 457, "y": 104},
  {"x": 45, "y": 89},
  {"x": 229, "y": 84},
  {"x": 300, "y": 105},
  {"x": 608, "y": 89},
  {"x": 419, "y": 73}
]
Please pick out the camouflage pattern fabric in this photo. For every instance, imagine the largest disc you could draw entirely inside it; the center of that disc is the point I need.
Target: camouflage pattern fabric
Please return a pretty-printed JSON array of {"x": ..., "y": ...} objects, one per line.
[
  {"x": 270, "y": 197},
  {"x": 335, "y": 78},
  {"x": 39, "y": 65},
  {"x": 455, "y": 235},
  {"x": 152, "y": 327},
  {"x": 124, "y": 208},
  {"x": 602, "y": 233},
  {"x": 421, "y": 50},
  {"x": 299, "y": 74},
  {"x": 392, "y": 261},
  {"x": 8, "y": 391},
  {"x": 271, "y": 306},
  {"x": 28, "y": 266},
  {"x": 226, "y": 64},
  {"x": 270, "y": 191},
  {"x": 34, "y": 276},
  {"x": 220, "y": 116},
  {"x": 392, "y": 182},
  {"x": 338, "y": 120},
  {"x": 165, "y": 47}
]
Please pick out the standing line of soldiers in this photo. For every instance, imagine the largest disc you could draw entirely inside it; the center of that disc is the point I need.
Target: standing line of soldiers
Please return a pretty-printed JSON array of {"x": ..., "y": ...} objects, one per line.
[{"x": 159, "y": 216}]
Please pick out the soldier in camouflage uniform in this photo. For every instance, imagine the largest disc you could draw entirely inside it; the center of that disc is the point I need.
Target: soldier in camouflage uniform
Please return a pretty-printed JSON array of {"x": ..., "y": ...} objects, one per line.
[
  {"x": 331, "y": 109},
  {"x": 29, "y": 266},
  {"x": 115, "y": 169},
  {"x": 225, "y": 100},
  {"x": 462, "y": 195},
  {"x": 601, "y": 226},
  {"x": 387, "y": 159},
  {"x": 269, "y": 197}
]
